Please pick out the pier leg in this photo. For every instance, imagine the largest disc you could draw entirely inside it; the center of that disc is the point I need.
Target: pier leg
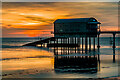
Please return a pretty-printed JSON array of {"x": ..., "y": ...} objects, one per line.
[
  {"x": 98, "y": 46},
  {"x": 78, "y": 42},
  {"x": 72, "y": 42},
  {"x": 86, "y": 45},
  {"x": 75, "y": 44},
  {"x": 98, "y": 61},
  {"x": 70, "y": 47},
  {"x": 54, "y": 47},
  {"x": 68, "y": 44},
  {"x": 64, "y": 41},
  {"x": 57, "y": 46},
  {"x": 113, "y": 47},
  {"x": 82, "y": 44},
  {"x": 113, "y": 40},
  {"x": 89, "y": 43},
  {"x": 41, "y": 45},
  {"x": 113, "y": 55},
  {"x": 93, "y": 43},
  {"x": 65, "y": 46},
  {"x": 61, "y": 46}
]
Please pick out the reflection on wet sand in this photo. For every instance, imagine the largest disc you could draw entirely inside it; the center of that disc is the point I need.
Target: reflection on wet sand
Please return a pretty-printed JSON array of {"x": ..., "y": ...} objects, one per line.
[
  {"x": 76, "y": 64},
  {"x": 28, "y": 61},
  {"x": 73, "y": 60},
  {"x": 60, "y": 63}
]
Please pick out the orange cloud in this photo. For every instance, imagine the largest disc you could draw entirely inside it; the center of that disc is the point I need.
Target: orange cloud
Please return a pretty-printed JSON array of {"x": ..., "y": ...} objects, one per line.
[
  {"x": 31, "y": 18},
  {"x": 35, "y": 33}
]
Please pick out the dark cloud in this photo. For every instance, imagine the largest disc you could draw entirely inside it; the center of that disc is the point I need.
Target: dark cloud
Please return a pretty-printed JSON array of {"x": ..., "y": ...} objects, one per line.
[
  {"x": 41, "y": 19},
  {"x": 27, "y": 4},
  {"x": 103, "y": 12}
]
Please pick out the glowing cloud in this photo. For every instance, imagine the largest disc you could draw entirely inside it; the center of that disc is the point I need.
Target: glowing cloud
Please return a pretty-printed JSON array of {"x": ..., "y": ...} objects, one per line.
[{"x": 28, "y": 19}]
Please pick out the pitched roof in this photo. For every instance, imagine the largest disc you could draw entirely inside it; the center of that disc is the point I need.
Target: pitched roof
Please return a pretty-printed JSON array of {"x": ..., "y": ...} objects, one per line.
[{"x": 74, "y": 20}]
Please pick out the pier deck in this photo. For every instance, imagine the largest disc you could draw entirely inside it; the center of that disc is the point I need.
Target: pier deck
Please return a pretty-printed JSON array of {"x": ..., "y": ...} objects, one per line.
[
  {"x": 74, "y": 41},
  {"x": 40, "y": 42}
]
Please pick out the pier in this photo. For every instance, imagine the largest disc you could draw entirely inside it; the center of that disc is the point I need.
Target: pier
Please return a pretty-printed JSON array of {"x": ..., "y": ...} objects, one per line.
[
  {"x": 73, "y": 41},
  {"x": 109, "y": 32},
  {"x": 78, "y": 35}
]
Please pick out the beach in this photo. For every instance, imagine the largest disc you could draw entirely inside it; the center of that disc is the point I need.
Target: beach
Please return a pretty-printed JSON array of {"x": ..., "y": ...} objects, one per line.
[{"x": 34, "y": 62}]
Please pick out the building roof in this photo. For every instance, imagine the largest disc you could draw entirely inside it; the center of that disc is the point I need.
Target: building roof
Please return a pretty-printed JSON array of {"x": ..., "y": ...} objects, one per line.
[{"x": 76, "y": 20}]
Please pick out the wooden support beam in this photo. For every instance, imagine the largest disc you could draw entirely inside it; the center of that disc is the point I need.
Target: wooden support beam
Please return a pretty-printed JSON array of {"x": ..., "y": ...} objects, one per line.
[
  {"x": 114, "y": 47},
  {"x": 41, "y": 45},
  {"x": 82, "y": 44},
  {"x": 75, "y": 46},
  {"x": 114, "y": 55},
  {"x": 54, "y": 48},
  {"x": 68, "y": 46},
  {"x": 114, "y": 40},
  {"x": 70, "y": 43},
  {"x": 57, "y": 43},
  {"x": 94, "y": 43},
  {"x": 79, "y": 43},
  {"x": 86, "y": 44},
  {"x": 61, "y": 44},
  {"x": 98, "y": 42},
  {"x": 89, "y": 43},
  {"x": 72, "y": 40}
]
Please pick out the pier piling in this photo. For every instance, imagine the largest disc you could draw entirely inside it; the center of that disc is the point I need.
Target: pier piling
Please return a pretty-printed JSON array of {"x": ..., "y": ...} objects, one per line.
[
  {"x": 113, "y": 40},
  {"x": 68, "y": 43},
  {"x": 113, "y": 55},
  {"x": 61, "y": 44},
  {"x": 82, "y": 44},
  {"x": 79, "y": 43},
  {"x": 98, "y": 41},
  {"x": 89, "y": 43},
  {"x": 94, "y": 43},
  {"x": 75, "y": 43},
  {"x": 86, "y": 44}
]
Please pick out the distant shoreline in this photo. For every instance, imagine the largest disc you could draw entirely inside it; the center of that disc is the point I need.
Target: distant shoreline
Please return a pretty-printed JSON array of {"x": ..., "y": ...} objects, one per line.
[{"x": 48, "y": 37}]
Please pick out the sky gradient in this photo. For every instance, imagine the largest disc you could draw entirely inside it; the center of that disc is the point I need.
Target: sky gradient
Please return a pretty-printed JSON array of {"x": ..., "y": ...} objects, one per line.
[{"x": 26, "y": 19}]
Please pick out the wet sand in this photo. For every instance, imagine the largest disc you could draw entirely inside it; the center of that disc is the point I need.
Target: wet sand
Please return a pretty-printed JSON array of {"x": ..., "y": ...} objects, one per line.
[
  {"x": 29, "y": 62},
  {"x": 113, "y": 78}
]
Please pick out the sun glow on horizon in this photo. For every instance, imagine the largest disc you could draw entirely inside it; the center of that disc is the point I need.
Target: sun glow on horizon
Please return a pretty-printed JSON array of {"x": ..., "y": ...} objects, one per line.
[{"x": 36, "y": 19}]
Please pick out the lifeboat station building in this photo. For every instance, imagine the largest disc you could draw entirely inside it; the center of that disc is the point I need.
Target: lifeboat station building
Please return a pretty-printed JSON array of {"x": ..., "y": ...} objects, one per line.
[{"x": 78, "y": 27}]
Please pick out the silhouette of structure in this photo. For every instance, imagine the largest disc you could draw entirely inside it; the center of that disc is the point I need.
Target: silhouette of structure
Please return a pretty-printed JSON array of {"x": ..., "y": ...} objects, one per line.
[
  {"x": 78, "y": 27},
  {"x": 73, "y": 39},
  {"x": 80, "y": 64},
  {"x": 79, "y": 33}
]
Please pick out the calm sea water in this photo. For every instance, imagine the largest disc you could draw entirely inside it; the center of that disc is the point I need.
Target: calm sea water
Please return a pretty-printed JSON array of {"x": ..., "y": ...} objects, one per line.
[{"x": 33, "y": 62}]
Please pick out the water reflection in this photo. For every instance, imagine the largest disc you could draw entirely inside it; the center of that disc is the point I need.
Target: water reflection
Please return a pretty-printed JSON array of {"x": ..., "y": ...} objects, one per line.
[
  {"x": 65, "y": 62},
  {"x": 74, "y": 60},
  {"x": 113, "y": 55},
  {"x": 80, "y": 64}
]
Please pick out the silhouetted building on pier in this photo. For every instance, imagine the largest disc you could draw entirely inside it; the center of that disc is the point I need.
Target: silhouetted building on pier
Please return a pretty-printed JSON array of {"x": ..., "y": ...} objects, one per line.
[
  {"x": 76, "y": 27},
  {"x": 78, "y": 32}
]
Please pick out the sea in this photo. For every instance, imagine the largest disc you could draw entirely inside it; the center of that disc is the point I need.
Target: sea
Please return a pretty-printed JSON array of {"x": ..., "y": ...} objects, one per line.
[{"x": 20, "y": 61}]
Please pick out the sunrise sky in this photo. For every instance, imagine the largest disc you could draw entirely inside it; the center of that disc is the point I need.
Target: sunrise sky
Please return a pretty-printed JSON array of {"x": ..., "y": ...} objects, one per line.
[{"x": 26, "y": 19}]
